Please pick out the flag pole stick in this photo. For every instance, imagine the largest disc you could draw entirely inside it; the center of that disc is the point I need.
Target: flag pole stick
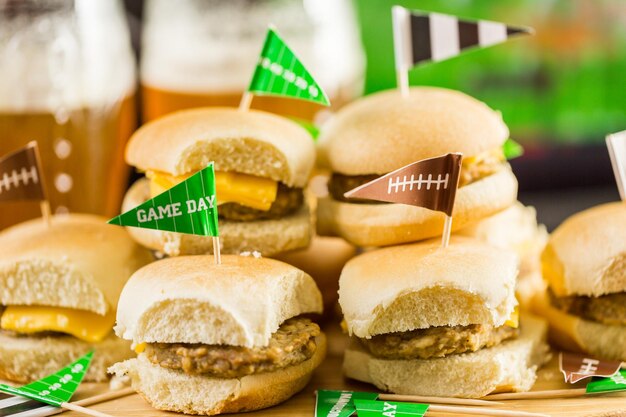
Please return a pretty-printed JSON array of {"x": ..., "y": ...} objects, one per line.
[
  {"x": 45, "y": 211},
  {"x": 216, "y": 250},
  {"x": 401, "y": 47},
  {"x": 402, "y": 78},
  {"x": 83, "y": 410},
  {"x": 447, "y": 229},
  {"x": 246, "y": 101}
]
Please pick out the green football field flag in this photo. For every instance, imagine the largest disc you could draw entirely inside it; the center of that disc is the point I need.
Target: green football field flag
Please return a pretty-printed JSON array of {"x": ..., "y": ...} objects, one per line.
[
  {"x": 189, "y": 207},
  {"x": 368, "y": 408},
  {"x": 279, "y": 72},
  {"x": 339, "y": 403},
  {"x": 57, "y": 388},
  {"x": 616, "y": 382}
]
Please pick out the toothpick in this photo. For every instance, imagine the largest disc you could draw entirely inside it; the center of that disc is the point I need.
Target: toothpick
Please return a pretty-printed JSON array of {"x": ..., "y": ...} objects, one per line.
[
  {"x": 482, "y": 411},
  {"x": 246, "y": 101},
  {"x": 402, "y": 47},
  {"x": 45, "y": 211},
  {"x": 107, "y": 396},
  {"x": 447, "y": 229},
  {"x": 437, "y": 400},
  {"x": 216, "y": 250},
  {"x": 616, "y": 143},
  {"x": 83, "y": 410},
  {"x": 536, "y": 395}
]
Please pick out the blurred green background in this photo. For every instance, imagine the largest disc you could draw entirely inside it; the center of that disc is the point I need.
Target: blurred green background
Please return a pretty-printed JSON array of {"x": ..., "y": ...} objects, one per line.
[{"x": 566, "y": 84}]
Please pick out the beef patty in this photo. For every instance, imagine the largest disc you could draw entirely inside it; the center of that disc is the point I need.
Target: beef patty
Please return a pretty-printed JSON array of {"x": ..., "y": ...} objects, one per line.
[
  {"x": 287, "y": 201},
  {"x": 607, "y": 309},
  {"x": 437, "y": 342},
  {"x": 291, "y": 344},
  {"x": 340, "y": 184}
]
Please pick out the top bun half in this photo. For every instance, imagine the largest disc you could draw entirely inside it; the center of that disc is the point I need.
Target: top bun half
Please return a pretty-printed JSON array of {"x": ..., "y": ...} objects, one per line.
[
  {"x": 586, "y": 254},
  {"x": 251, "y": 142},
  {"x": 423, "y": 285},
  {"x": 78, "y": 262},
  {"x": 190, "y": 299},
  {"x": 385, "y": 131}
]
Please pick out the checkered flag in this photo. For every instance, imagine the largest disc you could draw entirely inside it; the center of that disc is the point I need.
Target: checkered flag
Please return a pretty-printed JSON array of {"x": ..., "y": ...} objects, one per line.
[
  {"x": 422, "y": 36},
  {"x": 430, "y": 183},
  {"x": 279, "y": 72},
  {"x": 20, "y": 175}
]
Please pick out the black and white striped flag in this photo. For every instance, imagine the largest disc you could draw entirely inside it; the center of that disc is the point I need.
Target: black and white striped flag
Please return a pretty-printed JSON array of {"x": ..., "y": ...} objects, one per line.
[
  {"x": 23, "y": 407},
  {"x": 423, "y": 36}
]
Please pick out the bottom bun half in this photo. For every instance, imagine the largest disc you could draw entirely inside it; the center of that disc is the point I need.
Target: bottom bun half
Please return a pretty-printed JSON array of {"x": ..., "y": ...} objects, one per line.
[
  {"x": 573, "y": 333},
  {"x": 176, "y": 391},
  {"x": 269, "y": 237},
  {"x": 27, "y": 358},
  {"x": 510, "y": 366}
]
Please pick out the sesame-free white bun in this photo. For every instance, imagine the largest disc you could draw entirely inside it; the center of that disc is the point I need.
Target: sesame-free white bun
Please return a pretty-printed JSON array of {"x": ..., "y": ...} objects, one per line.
[
  {"x": 268, "y": 237},
  {"x": 587, "y": 252},
  {"x": 509, "y": 366},
  {"x": 169, "y": 390},
  {"x": 190, "y": 299},
  {"x": 251, "y": 142},
  {"x": 384, "y": 131},
  {"x": 423, "y": 285},
  {"x": 391, "y": 224},
  {"x": 573, "y": 333},
  {"x": 77, "y": 262},
  {"x": 28, "y": 358}
]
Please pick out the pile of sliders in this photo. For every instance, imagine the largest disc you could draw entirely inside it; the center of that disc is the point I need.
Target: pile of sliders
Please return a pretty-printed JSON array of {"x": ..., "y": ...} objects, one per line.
[{"x": 201, "y": 338}]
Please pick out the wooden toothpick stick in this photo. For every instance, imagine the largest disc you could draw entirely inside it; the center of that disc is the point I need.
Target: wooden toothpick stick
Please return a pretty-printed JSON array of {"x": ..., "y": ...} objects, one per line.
[
  {"x": 435, "y": 400},
  {"x": 83, "y": 410},
  {"x": 246, "y": 101}
]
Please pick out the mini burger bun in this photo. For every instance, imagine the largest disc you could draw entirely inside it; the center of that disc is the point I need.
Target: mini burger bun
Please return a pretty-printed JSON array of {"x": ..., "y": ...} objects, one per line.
[
  {"x": 391, "y": 224},
  {"x": 191, "y": 299},
  {"x": 176, "y": 391},
  {"x": 423, "y": 285},
  {"x": 510, "y": 366},
  {"x": 251, "y": 142},
  {"x": 28, "y": 358},
  {"x": 384, "y": 131},
  {"x": 586, "y": 254},
  {"x": 573, "y": 333},
  {"x": 77, "y": 262},
  {"x": 268, "y": 237}
]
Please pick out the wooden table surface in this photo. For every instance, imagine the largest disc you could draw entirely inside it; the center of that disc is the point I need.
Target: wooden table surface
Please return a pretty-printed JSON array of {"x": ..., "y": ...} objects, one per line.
[{"x": 328, "y": 376}]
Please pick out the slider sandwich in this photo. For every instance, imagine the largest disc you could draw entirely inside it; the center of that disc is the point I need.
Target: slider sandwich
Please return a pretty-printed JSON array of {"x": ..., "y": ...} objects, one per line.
[
  {"x": 427, "y": 320},
  {"x": 59, "y": 287},
  {"x": 516, "y": 229},
  {"x": 385, "y": 131},
  {"x": 584, "y": 265},
  {"x": 262, "y": 164},
  {"x": 219, "y": 338}
]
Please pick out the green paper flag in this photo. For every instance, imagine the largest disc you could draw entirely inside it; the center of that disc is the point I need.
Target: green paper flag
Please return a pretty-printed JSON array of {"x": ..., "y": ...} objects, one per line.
[
  {"x": 616, "y": 382},
  {"x": 279, "y": 72},
  {"x": 339, "y": 403},
  {"x": 512, "y": 149},
  {"x": 366, "y": 408},
  {"x": 189, "y": 207},
  {"x": 57, "y": 388}
]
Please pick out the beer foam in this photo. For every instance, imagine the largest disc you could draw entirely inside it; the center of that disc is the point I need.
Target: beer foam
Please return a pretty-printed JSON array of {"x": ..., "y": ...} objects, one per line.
[
  {"x": 63, "y": 60},
  {"x": 188, "y": 47}
]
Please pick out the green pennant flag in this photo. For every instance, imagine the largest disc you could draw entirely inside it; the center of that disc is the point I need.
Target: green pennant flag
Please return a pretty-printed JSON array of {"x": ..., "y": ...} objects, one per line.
[
  {"x": 279, "y": 72},
  {"x": 57, "y": 388},
  {"x": 339, "y": 403},
  {"x": 616, "y": 382},
  {"x": 189, "y": 207},
  {"x": 367, "y": 408},
  {"x": 512, "y": 149}
]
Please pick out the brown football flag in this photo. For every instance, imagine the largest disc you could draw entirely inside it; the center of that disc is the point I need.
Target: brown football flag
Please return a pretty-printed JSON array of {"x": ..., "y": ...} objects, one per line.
[
  {"x": 20, "y": 175},
  {"x": 430, "y": 183},
  {"x": 576, "y": 367}
]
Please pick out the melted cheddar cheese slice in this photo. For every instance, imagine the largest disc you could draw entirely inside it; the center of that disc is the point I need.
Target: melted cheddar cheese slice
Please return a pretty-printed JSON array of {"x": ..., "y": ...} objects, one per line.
[
  {"x": 231, "y": 187},
  {"x": 84, "y": 325},
  {"x": 553, "y": 271}
]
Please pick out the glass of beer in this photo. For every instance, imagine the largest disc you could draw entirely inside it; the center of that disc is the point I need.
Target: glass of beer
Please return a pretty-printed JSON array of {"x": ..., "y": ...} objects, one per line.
[
  {"x": 67, "y": 80},
  {"x": 203, "y": 52}
]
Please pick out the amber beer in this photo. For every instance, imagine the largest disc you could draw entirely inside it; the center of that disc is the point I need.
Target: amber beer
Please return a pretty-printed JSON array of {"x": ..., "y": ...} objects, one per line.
[{"x": 82, "y": 156}]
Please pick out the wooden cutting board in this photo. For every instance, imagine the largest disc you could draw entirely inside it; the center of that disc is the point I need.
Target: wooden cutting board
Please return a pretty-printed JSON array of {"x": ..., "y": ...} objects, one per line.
[{"x": 329, "y": 376}]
